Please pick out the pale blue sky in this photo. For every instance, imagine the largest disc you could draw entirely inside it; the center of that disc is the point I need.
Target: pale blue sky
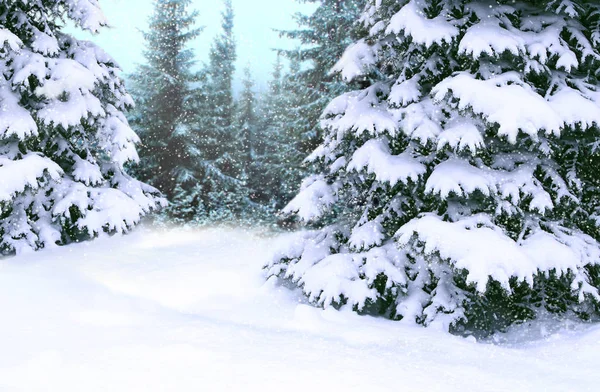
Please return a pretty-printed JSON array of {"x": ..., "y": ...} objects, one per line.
[{"x": 253, "y": 24}]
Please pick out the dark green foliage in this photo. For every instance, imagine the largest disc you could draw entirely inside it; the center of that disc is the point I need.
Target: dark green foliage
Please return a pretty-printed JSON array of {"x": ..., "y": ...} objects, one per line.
[
  {"x": 224, "y": 192},
  {"x": 164, "y": 116}
]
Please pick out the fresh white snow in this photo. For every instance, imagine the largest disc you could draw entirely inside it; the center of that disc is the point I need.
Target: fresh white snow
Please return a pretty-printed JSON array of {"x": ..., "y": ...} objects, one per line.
[{"x": 190, "y": 311}]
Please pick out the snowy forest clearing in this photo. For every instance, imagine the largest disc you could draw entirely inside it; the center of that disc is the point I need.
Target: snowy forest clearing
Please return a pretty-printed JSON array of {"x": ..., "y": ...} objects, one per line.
[{"x": 188, "y": 310}]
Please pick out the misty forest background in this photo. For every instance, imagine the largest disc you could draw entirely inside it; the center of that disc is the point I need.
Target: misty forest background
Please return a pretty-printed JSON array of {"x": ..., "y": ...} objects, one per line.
[{"x": 219, "y": 158}]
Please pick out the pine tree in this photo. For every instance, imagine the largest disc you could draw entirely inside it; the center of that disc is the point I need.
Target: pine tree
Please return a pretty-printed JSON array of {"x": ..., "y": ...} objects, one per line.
[
  {"x": 267, "y": 170},
  {"x": 63, "y": 136},
  {"x": 252, "y": 155},
  {"x": 224, "y": 192},
  {"x": 164, "y": 116},
  {"x": 219, "y": 116},
  {"x": 287, "y": 133},
  {"x": 247, "y": 121},
  {"x": 462, "y": 171}
]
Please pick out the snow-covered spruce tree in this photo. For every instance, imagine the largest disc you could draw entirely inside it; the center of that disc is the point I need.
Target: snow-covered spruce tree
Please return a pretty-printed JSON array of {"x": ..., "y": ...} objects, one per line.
[
  {"x": 323, "y": 36},
  {"x": 63, "y": 136},
  {"x": 271, "y": 151},
  {"x": 224, "y": 192},
  {"x": 465, "y": 168},
  {"x": 289, "y": 128},
  {"x": 221, "y": 69},
  {"x": 163, "y": 117},
  {"x": 280, "y": 150},
  {"x": 251, "y": 141},
  {"x": 247, "y": 119},
  {"x": 264, "y": 178}
]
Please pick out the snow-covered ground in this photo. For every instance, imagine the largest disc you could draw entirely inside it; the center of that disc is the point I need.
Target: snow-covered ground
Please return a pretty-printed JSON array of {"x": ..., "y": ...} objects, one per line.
[{"x": 190, "y": 311}]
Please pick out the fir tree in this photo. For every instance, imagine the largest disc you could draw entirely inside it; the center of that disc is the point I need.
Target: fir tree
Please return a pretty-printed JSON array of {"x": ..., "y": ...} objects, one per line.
[
  {"x": 219, "y": 116},
  {"x": 252, "y": 156},
  {"x": 464, "y": 167},
  {"x": 247, "y": 121},
  {"x": 164, "y": 116},
  {"x": 63, "y": 136},
  {"x": 299, "y": 131},
  {"x": 266, "y": 175},
  {"x": 323, "y": 35},
  {"x": 287, "y": 132},
  {"x": 224, "y": 193}
]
